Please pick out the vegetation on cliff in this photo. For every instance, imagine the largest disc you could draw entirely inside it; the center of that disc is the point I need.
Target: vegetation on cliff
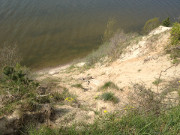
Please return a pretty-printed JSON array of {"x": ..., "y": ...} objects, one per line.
[{"x": 148, "y": 111}]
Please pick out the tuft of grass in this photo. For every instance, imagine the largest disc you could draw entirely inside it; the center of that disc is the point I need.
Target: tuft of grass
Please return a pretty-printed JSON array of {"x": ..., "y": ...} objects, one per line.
[
  {"x": 109, "y": 96},
  {"x": 157, "y": 82},
  {"x": 108, "y": 85}
]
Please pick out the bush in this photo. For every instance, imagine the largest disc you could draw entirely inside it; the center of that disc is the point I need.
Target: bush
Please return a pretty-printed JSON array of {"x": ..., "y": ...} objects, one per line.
[
  {"x": 174, "y": 48},
  {"x": 16, "y": 80},
  {"x": 16, "y": 86},
  {"x": 175, "y": 34},
  {"x": 150, "y": 25},
  {"x": 166, "y": 22},
  {"x": 145, "y": 99}
]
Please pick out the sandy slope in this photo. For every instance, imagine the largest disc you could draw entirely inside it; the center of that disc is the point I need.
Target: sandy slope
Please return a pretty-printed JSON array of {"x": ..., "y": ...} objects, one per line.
[{"x": 141, "y": 63}]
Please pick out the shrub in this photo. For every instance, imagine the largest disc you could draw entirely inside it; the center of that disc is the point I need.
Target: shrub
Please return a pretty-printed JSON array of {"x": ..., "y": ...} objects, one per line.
[
  {"x": 15, "y": 87},
  {"x": 113, "y": 48},
  {"x": 145, "y": 99},
  {"x": 150, "y": 25},
  {"x": 16, "y": 80},
  {"x": 109, "y": 96},
  {"x": 175, "y": 34},
  {"x": 166, "y": 22},
  {"x": 174, "y": 48}
]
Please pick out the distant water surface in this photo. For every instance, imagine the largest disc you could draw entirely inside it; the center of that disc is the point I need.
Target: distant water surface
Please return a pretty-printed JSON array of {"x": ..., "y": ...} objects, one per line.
[{"x": 53, "y": 32}]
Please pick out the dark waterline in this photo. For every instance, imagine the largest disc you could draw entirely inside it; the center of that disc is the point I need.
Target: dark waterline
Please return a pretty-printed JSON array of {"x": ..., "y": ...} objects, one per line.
[{"x": 54, "y": 32}]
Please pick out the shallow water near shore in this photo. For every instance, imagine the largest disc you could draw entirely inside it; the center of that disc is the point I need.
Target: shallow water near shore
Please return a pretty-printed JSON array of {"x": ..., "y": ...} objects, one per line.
[{"x": 54, "y": 32}]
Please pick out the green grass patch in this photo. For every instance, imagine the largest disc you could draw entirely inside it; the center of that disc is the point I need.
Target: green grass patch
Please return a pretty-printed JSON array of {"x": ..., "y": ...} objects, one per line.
[
  {"x": 109, "y": 96},
  {"x": 108, "y": 85},
  {"x": 157, "y": 82},
  {"x": 135, "y": 123}
]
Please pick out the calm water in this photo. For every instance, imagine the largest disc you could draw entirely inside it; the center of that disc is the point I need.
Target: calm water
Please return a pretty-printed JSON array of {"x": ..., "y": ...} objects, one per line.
[{"x": 53, "y": 32}]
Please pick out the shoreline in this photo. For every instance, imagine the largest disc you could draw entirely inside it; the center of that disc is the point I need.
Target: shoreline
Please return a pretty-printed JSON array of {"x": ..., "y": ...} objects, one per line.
[{"x": 57, "y": 69}]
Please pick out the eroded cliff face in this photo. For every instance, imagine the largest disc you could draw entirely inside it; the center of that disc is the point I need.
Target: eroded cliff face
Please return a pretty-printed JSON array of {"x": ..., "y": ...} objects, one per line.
[{"x": 141, "y": 63}]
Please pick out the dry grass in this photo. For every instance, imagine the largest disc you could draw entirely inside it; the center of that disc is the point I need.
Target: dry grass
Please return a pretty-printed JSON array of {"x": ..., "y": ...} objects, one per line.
[{"x": 112, "y": 48}]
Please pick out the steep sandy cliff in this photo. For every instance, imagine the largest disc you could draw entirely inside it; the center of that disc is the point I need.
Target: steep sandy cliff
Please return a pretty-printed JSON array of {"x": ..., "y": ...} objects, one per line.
[{"x": 143, "y": 62}]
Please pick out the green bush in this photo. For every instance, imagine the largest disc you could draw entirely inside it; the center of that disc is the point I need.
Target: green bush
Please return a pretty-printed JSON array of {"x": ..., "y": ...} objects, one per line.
[
  {"x": 16, "y": 80},
  {"x": 174, "y": 48},
  {"x": 150, "y": 25},
  {"x": 166, "y": 22},
  {"x": 16, "y": 86},
  {"x": 175, "y": 34}
]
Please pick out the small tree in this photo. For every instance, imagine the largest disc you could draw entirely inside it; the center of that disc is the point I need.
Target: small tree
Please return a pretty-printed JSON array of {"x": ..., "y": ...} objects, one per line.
[{"x": 166, "y": 22}]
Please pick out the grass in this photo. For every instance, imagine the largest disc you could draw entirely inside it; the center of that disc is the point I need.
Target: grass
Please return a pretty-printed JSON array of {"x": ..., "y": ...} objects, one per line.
[
  {"x": 157, "y": 82},
  {"x": 109, "y": 96},
  {"x": 18, "y": 90},
  {"x": 112, "y": 48},
  {"x": 168, "y": 123},
  {"x": 108, "y": 85}
]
